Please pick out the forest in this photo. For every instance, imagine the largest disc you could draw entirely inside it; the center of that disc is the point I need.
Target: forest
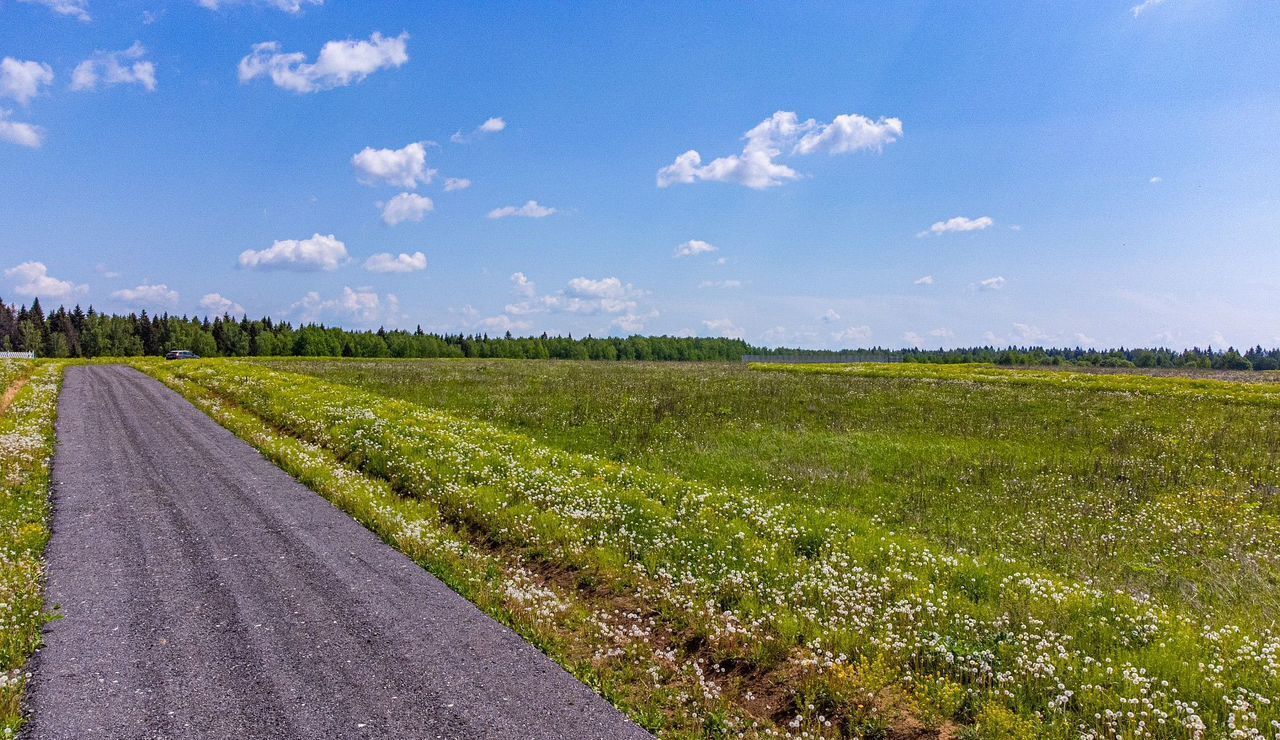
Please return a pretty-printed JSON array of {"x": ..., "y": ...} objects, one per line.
[{"x": 88, "y": 333}]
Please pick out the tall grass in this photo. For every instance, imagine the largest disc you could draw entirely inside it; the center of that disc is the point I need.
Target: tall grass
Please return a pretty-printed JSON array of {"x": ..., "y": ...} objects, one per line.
[{"x": 26, "y": 446}]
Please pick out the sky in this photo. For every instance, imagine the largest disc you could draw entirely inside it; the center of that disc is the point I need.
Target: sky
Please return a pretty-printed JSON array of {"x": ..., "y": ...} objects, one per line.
[{"x": 820, "y": 175}]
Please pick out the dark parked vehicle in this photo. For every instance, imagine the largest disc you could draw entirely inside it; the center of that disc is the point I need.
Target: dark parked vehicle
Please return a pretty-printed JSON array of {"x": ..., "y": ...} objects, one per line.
[{"x": 181, "y": 354}]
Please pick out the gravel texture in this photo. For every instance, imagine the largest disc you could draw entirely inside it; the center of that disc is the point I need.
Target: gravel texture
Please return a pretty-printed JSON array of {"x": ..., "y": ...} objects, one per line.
[{"x": 205, "y": 593}]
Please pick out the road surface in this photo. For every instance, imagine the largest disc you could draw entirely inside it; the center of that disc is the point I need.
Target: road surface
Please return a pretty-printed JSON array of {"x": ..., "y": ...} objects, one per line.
[{"x": 205, "y": 593}]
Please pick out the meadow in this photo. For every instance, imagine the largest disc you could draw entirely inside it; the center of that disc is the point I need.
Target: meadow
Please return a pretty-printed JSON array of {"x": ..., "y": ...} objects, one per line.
[
  {"x": 27, "y": 413},
  {"x": 879, "y": 551}
]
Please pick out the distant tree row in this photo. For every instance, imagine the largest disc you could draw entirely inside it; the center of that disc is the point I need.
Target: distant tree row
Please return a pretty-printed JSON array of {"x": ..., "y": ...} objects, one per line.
[
  {"x": 81, "y": 333},
  {"x": 1230, "y": 358}
]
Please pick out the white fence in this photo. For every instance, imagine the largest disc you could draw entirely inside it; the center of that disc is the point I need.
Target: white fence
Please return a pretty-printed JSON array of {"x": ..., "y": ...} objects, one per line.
[{"x": 17, "y": 355}]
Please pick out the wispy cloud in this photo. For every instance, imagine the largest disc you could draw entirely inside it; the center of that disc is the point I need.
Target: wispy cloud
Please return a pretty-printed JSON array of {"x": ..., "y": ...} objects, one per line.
[
  {"x": 491, "y": 126},
  {"x": 110, "y": 68},
  {"x": 531, "y": 209}
]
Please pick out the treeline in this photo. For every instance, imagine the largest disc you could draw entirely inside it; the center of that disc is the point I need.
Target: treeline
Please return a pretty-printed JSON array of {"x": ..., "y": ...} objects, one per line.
[
  {"x": 81, "y": 333},
  {"x": 1230, "y": 358}
]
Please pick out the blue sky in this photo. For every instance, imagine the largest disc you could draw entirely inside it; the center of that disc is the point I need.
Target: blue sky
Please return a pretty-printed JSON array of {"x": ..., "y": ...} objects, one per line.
[{"x": 866, "y": 174}]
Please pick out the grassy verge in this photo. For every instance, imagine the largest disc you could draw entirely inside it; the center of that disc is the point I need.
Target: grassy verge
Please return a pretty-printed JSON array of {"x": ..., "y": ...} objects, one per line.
[
  {"x": 784, "y": 614},
  {"x": 26, "y": 447}
]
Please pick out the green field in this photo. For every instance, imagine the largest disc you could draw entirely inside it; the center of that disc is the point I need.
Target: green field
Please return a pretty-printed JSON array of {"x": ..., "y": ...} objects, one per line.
[{"x": 839, "y": 550}]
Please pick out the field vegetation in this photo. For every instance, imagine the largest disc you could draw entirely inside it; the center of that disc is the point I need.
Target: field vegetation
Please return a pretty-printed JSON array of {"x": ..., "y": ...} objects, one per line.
[
  {"x": 826, "y": 552},
  {"x": 27, "y": 415}
]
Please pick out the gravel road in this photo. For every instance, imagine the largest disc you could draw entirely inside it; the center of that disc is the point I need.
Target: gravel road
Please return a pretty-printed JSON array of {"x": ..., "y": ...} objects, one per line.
[{"x": 205, "y": 593}]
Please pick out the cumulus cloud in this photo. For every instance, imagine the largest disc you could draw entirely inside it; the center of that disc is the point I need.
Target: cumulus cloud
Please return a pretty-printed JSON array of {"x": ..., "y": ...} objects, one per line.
[
  {"x": 829, "y": 316},
  {"x": 1156, "y": 180},
  {"x": 1029, "y": 333},
  {"x": 317, "y": 253},
  {"x": 148, "y": 295},
  {"x": 490, "y": 126},
  {"x": 21, "y": 80},
  {"x": 1144, "y": 6},
  {"x": 340, "y": 63},
  {"x": 220, "y": 304},
  {"x": 406, "y": 207},
  {"x": 503, "y": 323},
  {"x": 912, "y": 339},
  {"x": 720, "y": 284},
  {"x": 757, "y": 166},
  {"x": 941, "y": 333},
  {"x": 387, "y": 262},
  {"x": 925, "y": 280},
  {"x": 523, "y": 285},
  {"x": 694, "y": 247},
  {"x": 582, "y": 296},
  {"x": 633, "y": 323},
  {"x": 957, "y": 224},
  {"x": 289, "y": 6},
  {"x": 362, "y": 306},
  {"x": 404, "y": 167},
  {"x": 78, "y": 9},
  {"x": 456, "y": 183},
  {"x": 852, "y": 334},
  {"x": 33, "y": 279},
  {"x": 530, "y": 209},
  {"x": 22, "y": 134},
  {"x": 115, "y": 68},
  {"x": 723, "y": 327},
  {"x": 992, "y": 283}
]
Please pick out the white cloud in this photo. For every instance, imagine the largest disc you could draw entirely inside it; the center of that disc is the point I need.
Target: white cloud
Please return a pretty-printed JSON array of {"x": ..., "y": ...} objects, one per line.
[
  {"x": 850, "y": 133},
  {"x": 693, "y": 247},
  {"x": 386, "y": 262},
  {"x": 404, "y": 167},
  {"x": 1029, "y": 334},
  {"x": 1083, "y": 339},
  {"x": 992, "y": 283},
  {"x": 523, "y": 285},
  {"x": 720, "y": 284},
  {"x": 530, "y": 209},
  {"x": 912, "y": 339},
  {"x": 503, "y": 323},
  {"x": 957, "y": 224},
  {"x": 925, "y": 280},
  {"x": 22, "y": 134},
  {"x": 317, "y": 253},
  {"x": 288, "y": 6},
  {"x": 33, "y": 279},
  {"x": 219, "y": 305},
  {"x": 1144, "y": 6},
  {"x": 361, "y": 305},
  {"x": 829, "y": 316},
  {"x": 941, "y": 333},
  {"x": 115, "y": 68},
  {"x": 406, "y": 207},
  {"x": 78, "y": 9},
  {"x": 852, "y": 334},
  {"x": 757, "y": 166},
  {"x": 582, "y": 296},
  {"x": 456, "y": 183},
  {"x": 1156, "y": 180},
  {"x": 339, "y": 64},
  {"x": 148, "y": 295},
  {"x": 723, "y": 327},
  {"x": 21, "y": 80},
  {"x": 634, "y": 323},
  {"x": 105, "y": 271},
  {"x": 490, "y": 126}
]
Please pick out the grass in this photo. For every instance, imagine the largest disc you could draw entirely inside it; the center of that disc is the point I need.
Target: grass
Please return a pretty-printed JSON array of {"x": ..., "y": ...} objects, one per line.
[
  {"x": 831, "y": 554},
  {"x": 26, "y": 446}
]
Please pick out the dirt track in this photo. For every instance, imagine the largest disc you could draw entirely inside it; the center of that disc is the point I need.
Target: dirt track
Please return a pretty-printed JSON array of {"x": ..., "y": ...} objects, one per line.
[{"x": 208, "y": 594}]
